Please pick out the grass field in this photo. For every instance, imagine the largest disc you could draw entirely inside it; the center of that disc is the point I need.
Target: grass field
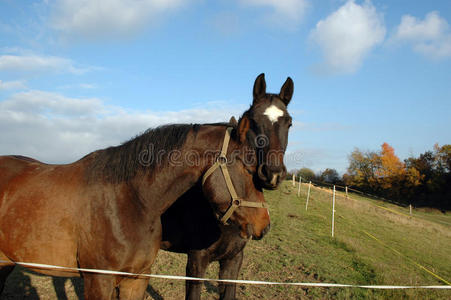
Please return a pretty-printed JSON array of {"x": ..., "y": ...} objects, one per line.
[{"x": 375, "y": 243}]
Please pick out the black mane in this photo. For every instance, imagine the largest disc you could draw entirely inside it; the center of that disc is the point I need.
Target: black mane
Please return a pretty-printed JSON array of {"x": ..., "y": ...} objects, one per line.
[{"x": 121, "y": 163}]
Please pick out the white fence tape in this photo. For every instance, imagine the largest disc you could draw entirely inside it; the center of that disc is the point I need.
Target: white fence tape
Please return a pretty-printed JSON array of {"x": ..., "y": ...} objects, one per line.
[{"x": 255, "y": 282}]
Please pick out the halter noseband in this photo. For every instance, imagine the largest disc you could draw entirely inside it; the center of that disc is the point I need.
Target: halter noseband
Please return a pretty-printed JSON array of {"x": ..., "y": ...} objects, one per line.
[{"x": 221, "y": 162}]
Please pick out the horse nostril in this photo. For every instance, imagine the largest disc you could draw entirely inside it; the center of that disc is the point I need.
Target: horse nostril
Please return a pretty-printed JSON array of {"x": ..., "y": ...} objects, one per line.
[
  {"x": 262, "y": 233},
  {"x": 261, "y": 172}
]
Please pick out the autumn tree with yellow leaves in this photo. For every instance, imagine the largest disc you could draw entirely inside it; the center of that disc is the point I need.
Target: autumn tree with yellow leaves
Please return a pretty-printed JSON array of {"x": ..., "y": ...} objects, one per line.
[{"x": 425, "y": 180}]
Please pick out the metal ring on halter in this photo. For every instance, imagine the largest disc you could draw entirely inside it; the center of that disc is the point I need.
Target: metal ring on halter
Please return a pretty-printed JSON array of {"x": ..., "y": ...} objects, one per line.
[
  {"x": 236, "y": 202},
  {"x": 222, "y": 160}
]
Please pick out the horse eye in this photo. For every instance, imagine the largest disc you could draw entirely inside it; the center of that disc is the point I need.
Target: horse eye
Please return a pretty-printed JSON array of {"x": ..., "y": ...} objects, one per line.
[{"x": 290, "y": 122}]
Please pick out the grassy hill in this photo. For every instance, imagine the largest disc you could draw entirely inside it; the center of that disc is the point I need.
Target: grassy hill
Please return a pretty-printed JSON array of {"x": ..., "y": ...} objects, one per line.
[{"x": 374, "y": 243}]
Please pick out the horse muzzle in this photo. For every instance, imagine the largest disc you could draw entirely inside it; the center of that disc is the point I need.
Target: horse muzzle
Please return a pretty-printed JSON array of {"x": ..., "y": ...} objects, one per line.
[
  {"x": 262, "y": 234},
  {"x": 270, "y": 178}
]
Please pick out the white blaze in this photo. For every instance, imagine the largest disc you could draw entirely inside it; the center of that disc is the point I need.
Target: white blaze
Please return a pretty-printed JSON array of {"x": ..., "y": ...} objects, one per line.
[{"x": 273, "y": 113}]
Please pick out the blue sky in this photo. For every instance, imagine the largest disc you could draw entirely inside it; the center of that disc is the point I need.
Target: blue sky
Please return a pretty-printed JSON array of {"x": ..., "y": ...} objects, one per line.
[{"x": 80, "y": 75}]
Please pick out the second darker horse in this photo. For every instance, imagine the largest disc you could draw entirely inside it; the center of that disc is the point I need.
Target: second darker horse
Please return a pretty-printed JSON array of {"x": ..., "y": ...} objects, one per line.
[{"x": 189, "y": 225}]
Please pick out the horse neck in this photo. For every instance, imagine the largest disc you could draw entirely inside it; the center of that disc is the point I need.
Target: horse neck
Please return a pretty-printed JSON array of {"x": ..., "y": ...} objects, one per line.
[{"x": 183, "y": 170}]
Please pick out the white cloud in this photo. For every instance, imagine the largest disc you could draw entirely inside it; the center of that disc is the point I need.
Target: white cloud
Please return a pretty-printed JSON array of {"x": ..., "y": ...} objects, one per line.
[
  {"x": 12, "y": 85},
  {"x": 94, "y": 19},
  {"x": 51, "y": 104},
  {"x": 348, "y": 35},
  {"x": 36, "y": 63},
  {"x": 283, "y": 11},
  {"x": 430, "y": 37},
  {"x": 54, "y": 128},
  {"x": 431, "y": 28}
]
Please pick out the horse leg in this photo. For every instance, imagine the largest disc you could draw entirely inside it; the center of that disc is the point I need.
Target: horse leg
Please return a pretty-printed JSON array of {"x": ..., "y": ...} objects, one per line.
[
  {"x": 197, "y": 265},
  {"x": 229, "y": 269},
  {"x": 99, "y": 286},
  {"x": 135, "y": 288}
]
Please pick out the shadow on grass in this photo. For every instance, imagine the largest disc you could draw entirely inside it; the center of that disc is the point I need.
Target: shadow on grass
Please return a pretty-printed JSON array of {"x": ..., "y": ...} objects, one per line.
[
  {"x": 60, "y": 289},
  {"x": 211, "y": 288},
  {"x": 19, "y": 286}
]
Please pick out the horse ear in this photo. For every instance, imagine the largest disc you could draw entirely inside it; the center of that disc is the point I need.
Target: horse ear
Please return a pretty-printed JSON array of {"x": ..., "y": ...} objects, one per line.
[
  {"x": 286, "y": 92},
  {"x": 233, "y": 121},
  {"x": 243, "y": 128},
  {"x": 259, "y": 87}
]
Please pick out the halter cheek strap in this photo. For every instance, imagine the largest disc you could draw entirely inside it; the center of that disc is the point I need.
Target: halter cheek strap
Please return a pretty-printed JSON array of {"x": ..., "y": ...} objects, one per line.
[{"x": 221, "y": 162}]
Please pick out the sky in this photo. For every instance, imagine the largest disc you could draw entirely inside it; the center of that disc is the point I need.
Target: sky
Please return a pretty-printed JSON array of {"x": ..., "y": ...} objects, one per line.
[{"x": 80, "y": 75}]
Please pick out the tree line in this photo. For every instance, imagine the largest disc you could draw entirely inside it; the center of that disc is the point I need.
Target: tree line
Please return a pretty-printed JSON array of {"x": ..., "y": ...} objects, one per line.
[{"x": 421, "y": 181}]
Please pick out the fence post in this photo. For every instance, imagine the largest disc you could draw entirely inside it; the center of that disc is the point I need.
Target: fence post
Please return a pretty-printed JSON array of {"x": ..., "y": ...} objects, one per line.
[
  {"x": 294, "y": 180},
  {"x": 333, "y": 212},
  {"x": 299, "y": 187},
  {"x": 308, "y": 195},
  {"x": 410, "y": 207},
  {"x": 346, "y": 188}
]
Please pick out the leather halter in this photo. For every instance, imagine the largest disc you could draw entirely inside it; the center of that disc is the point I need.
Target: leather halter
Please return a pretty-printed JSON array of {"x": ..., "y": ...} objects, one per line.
[{"x": 221, "y": 162}]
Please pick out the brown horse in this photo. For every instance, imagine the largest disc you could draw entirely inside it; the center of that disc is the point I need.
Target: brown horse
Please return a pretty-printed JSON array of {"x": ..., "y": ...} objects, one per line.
[
  {"x": 189, "y": 225},
  {"x": 103, "y": 211}
]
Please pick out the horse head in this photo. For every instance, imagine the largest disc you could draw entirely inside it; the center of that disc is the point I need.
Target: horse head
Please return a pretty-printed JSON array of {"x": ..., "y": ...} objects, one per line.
[
  {"x": 229, "y": 186},
  {"x": 266, "y": 126}
]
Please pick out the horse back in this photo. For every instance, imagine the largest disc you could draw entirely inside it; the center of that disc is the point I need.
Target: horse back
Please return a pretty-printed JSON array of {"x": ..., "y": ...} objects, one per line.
[
  {"x": 26, "y": 177},
  {"x": 13, "y": 166}
]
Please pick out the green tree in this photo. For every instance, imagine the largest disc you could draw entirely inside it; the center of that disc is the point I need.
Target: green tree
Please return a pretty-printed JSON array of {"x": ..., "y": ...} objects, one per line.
[
  {"x": 443, "y": 158},
  {"x": 306, "y": 174},
  {"x": 362, "y": 169},
  {"x": 330, "y": 176}
]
